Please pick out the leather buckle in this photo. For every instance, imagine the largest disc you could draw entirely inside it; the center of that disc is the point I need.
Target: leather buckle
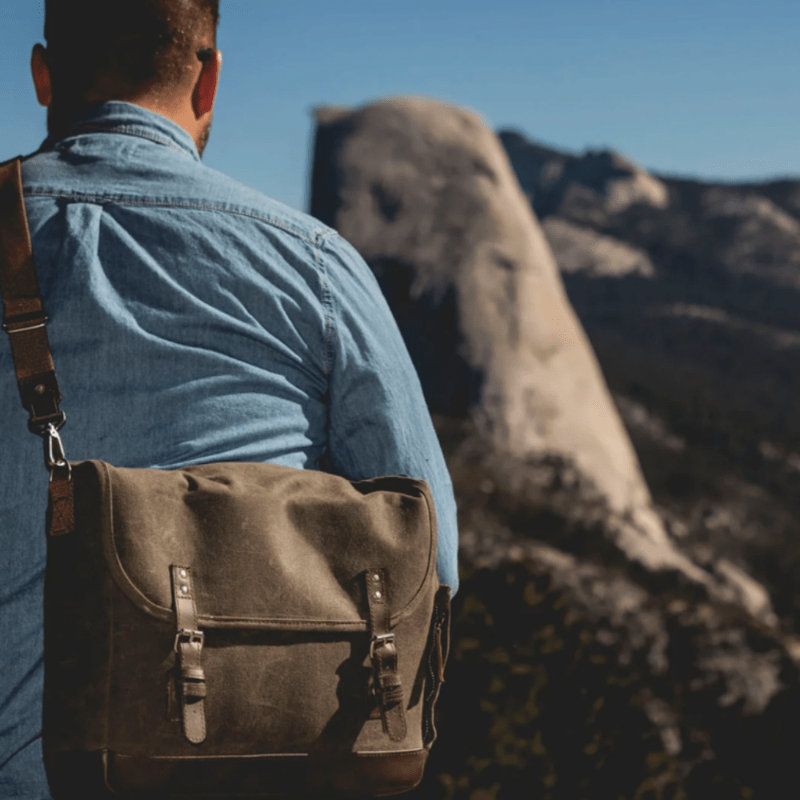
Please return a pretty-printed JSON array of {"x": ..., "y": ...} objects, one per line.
[
  {"x": 184, "y": 636},
  {"x": 40, "y": 397},
  {"x": 379, "y": 641},
  {"x": 40, "y": 424}
]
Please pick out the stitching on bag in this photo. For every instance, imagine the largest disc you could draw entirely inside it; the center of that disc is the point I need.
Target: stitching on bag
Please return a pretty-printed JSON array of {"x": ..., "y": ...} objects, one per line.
[
  {"x": 60, "y": 513},
  {"x": 270, "y": 756},
  {"x": 434, "y": 681},
  {"x": 401, "y": 615},
  {"x": 383, "y": 754},
  {"x": 281, "y": 621}
]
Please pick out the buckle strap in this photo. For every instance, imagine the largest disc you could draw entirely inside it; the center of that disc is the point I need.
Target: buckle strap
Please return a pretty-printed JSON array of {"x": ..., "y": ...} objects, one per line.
[
  {"x": 189, "y": 641},
  {"x": 383, "y": 654},
  {"x": 61, "y": 506},
  {"x": 23, "y": 315},
  {"x": 438, "y": 647}
]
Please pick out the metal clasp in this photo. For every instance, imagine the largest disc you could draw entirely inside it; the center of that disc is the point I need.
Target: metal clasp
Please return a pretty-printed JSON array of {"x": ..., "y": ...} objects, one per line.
[
  {"x": 188, "y": 637},
  {"x": 16, "y": 323},
  {"x": 379, "y": 641},
  {"x": 11, "y": 331},
  {"x": 54, "y": 455}
]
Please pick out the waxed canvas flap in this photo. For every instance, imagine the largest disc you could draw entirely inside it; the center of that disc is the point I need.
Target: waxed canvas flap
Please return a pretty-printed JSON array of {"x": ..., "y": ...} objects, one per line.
[{"x": 269, "y": 546}]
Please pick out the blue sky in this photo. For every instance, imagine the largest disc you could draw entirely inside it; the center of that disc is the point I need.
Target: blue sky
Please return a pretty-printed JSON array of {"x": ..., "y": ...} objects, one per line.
[{"x": 703, "y": 88}]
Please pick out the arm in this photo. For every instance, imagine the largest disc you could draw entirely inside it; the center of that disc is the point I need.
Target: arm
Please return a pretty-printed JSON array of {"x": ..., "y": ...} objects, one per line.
[{"x": 378, "y": 418}]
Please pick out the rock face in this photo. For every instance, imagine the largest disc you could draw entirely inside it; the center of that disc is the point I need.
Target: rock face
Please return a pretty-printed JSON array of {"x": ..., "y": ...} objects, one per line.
[
  {"x": 594, "y": 654},
  {"x": 429, "y": 199},
  {"x": 582, "y": 249},
  {"x": 585, "y": 189},
  {"x": 705, "y": 340}
]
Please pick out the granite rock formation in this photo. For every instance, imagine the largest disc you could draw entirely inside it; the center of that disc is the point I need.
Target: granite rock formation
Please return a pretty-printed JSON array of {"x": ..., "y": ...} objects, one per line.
[
  {"x": 705, "y": 341},
  {"x": 594, "y": 656},
  {"x": 586, "y": 189},
  {"x": 429, "y": 199}
]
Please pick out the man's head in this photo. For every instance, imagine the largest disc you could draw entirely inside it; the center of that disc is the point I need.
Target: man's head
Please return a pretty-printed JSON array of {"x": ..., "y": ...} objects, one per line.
[{"x": 157, "y": 53}]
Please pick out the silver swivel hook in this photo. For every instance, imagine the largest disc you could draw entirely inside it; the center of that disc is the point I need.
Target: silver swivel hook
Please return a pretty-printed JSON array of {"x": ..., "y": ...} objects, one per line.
[{"x": 54, "y": 455}]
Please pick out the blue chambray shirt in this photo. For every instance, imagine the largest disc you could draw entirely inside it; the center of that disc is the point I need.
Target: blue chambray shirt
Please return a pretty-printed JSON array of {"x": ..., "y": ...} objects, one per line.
[{"x": 191, "y": 320}]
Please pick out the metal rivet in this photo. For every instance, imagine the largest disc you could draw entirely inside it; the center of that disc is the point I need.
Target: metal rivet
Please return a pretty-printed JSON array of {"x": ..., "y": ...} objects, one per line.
[
  {"x": 377, "y": 594},
  {"x": 39, "y": 388},
  {"x": 185, "y": 589},
  {"x": 182, "y": 573}
]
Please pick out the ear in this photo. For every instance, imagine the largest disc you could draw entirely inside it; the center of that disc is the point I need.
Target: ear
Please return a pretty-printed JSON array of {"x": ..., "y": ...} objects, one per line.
[
  {"x": 41, "y": 75},
  {"x": 205, "y": 90}
]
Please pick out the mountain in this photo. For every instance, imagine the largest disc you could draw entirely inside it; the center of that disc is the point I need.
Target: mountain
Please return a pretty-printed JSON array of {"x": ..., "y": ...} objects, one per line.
[
  {"x": 598, "y": 649},
  {"x": 689, "y": 296}
]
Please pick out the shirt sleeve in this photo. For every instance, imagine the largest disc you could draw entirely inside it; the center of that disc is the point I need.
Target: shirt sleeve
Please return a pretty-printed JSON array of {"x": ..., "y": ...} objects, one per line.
[{"x": 379, "y": 423}]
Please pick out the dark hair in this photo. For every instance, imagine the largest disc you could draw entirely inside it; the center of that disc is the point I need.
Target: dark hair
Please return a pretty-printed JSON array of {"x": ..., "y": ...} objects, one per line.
[{"x": 127, "y": 44}]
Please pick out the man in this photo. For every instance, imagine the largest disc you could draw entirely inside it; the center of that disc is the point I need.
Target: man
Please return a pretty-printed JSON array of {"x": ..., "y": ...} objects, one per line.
[{"x": 191, "y": 319}]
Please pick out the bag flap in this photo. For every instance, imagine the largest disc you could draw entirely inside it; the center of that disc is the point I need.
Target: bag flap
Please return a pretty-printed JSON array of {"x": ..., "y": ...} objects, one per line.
[{"x": 269, "y": 546}]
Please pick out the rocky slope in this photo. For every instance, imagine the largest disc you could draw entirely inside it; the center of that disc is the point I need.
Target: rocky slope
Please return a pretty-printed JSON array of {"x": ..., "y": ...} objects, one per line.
[
  {"x": 599, "y": 652},
  {"x": 698, "y": 339}
]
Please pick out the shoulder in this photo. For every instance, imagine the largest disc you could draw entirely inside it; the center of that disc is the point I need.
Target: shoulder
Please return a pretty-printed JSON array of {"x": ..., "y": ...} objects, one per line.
[
  {"x": 180, "y": 183},
  {"x": 199, "y": 199},
  {"x": 231, "y": 196},
  {"x": 343, "y": 264}
]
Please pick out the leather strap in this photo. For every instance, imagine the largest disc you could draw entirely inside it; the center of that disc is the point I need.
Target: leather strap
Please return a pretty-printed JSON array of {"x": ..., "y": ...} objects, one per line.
[
  {"x": 383, "y": 652},
  {"x": 438, "y": 649},
  {"x": 24, "y": 322},
  {"x": 23, "y": 313},
  {"x": 61, "y": 508},
  {"x": 189, "y": 647}
]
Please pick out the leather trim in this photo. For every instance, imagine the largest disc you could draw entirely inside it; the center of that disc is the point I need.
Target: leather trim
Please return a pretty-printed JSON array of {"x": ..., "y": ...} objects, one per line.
[
  {"x": 106, "y": 774},
  {"x": 190, "y": 675},
  {"x": 23, "y": 313},
  {"x": 383, "y": 652}
]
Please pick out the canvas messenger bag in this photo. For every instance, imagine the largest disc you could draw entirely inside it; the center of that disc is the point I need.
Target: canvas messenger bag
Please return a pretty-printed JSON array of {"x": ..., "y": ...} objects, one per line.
[{"x": 229, "y": 629}]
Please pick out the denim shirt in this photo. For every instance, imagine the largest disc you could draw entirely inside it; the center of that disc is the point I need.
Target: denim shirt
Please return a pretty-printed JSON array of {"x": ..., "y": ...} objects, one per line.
[{"x": 191, "y": 320}]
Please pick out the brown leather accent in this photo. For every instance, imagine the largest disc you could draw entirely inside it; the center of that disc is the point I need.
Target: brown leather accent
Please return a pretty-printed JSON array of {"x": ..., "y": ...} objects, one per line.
[
  {"x": 61, "y": 512},
  {"x": 383, "y": 652},
  {"x": 355, "y": 775},
  {"x": 191, "y": 678},
  {"x": 438, "y": 651},
  {"x": 23, "y": 314}
]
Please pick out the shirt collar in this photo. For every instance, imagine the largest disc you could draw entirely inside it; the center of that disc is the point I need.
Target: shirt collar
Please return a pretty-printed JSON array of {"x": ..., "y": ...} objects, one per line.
[{"x": 116, "y": 116}]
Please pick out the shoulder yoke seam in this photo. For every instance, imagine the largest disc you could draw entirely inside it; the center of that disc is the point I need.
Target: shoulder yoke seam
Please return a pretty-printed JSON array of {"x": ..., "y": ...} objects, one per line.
[
  {"x": 327, "y": 303},
  {"x": 128, "y": 130},
  {"x": 129, "y": 201}
]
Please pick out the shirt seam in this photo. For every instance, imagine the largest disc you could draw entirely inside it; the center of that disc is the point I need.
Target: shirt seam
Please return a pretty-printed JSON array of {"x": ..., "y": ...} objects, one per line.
[
  {"x": 129, "y": 131},
  {"x": 316, "y": 241},
  {"x": 327, "y": 302}
]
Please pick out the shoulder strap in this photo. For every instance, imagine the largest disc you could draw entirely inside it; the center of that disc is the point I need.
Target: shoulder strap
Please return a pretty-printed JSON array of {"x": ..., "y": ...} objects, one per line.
[
  {"x": 23, "y": 314},
  {"x": 24, "y": 322}
]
